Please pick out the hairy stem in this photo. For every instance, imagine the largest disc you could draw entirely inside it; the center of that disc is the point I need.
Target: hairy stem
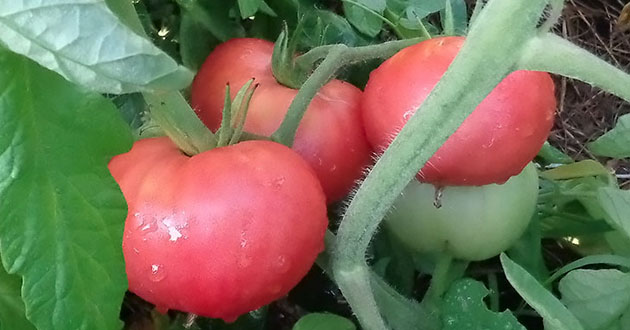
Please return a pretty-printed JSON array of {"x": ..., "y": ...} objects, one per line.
[
  {"x": 485, "y": 59},
  {"x": 551, "y": 53},
  {"x": 335, "y": 57}
]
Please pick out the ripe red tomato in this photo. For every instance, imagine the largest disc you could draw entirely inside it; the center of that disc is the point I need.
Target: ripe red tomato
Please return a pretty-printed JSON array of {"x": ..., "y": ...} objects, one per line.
[
  {"x": 500, "y": 137},
  {"x": 223, "y": 232},
  {"x": 330, "y": 138}
]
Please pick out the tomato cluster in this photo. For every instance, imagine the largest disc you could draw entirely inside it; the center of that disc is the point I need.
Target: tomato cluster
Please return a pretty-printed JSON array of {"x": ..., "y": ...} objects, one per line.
[{"x": 231, "y": 229}]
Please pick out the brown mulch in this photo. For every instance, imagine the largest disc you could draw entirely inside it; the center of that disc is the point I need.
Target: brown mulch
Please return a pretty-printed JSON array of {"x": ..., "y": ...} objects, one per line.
[{"x": 584, "y": 112}]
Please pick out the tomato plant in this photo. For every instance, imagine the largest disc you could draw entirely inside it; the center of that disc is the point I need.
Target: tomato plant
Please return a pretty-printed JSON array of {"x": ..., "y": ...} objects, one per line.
[
  {"x": 217, "y": 226},
  {"x": 330, "y": 137},
  {"x": 221, "y": 233},
  {"x": 495, "y": 142},
  {"x": 472, "y": 223}
]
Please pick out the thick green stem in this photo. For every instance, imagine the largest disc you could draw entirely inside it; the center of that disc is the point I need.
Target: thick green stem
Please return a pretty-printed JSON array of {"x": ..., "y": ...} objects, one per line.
[
  {"x": 171, "y": 111},
  {"x": 440, "y": 278},
  {"x": 485, "y": 59},
  {"x": 402, "y": 313},
  {"x": 553, "y": 54},
  {"x": 335, "y": 57},
  {"x": 324, "y": 72}
]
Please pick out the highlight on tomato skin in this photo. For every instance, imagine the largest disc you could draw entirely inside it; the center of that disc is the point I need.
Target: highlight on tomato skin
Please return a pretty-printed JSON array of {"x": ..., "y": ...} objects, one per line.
[
  {"x": 473, "y": 223},
  {"x": 331, "y": 136},
  {"x": 220, "y": 233},
  {"x": 502, "y": 135}
]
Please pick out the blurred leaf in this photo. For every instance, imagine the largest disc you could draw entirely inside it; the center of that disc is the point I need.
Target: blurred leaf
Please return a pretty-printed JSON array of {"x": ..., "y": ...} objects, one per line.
[
  {"x": 67, "y": 36},
  {"x": 62, "y": 212},
  {"x": 616, "y": 142},
  {"x": 576, "y": 170},
  {"x": 552, "y": 155},
  {"x": 11, "y": 305},
  {"x": 195, "y": 42},
  {"x": 596, "y": 297},
  {"x": 527, "y": 251},
  {"x": 215, "y": 17},
  {"x": 323, "y": 321},
  {"x": 248, "y": 8},
  {"x": 463, "y": 308},
  {"x": 134, "y": 111},
  {"x": 323, "y": 27},
  {"x": 554, "y": 313},
  {"x": 364, "y": 15},
  {"x": 415, "y": 9},
  {"x": 454, "y": 17},
  {"x": 616, "y": 206}
]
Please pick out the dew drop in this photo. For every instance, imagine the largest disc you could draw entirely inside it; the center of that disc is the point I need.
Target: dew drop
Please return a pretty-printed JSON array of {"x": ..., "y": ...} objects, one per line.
[
  {"x": 244, "y": 261},
  {"x": 281, "y": 264},
  {"x": 157, "y": 273},
  {"x": 276, "y": 183}
]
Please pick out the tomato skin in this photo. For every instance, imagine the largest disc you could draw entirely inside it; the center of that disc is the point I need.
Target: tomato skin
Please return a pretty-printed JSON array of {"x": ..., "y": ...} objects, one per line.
[
  {"x": 495, "y": 142},
  {"x": 223, "y": 232},
  {"x": 473, "y": 223},
  {"x": 330, "y": 138}
]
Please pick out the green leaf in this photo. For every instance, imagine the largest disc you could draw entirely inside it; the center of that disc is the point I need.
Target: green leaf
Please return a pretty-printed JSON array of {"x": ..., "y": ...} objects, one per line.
[
  {"x": 87, "y": 44},
  {"x": 616, "y": 206},
  {"x": 215, "y": 17},
  {"x": 596, "y": 297},
  {"x": 323, "y": 27},
  {"x": 576, "y": 170},
  {"x": 195, "y": 42},
  {"x": 554, "y": 313},
  {"x": 62, "y": 213},
  {"x": 415, "y": 9},
  {"x": 11, "y": 304},
  {"x": 527, "y": 250},
  {"x": 463, "y": 308},
  {"x": 323, "y": 321},
  {"x": 616, "y": 142},
  {"x": 364, "y": 15},
  {"x": 248, "y": 7},
  {"x": 551, "y": 154},
  {"x": 454, "y": 17}
]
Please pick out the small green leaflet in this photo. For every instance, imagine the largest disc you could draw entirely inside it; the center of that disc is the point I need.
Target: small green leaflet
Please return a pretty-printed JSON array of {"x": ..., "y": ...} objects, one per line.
[
  {"x": 62, "y": 213},
  {"x": 323, "y": 321},
  {"x": 615, "y": 143},
  {"x": 463, "y": 308},
  {"x": 67, "y": 36}
]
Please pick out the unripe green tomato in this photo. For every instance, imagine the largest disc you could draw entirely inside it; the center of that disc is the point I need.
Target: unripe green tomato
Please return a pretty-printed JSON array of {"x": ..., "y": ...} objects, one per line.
[{"x": 473, "y": 222}]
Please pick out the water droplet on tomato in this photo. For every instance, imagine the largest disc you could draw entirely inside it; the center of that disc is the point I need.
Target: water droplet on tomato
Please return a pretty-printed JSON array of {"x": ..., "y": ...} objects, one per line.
[
  {"x": 281, "y": 264},
  {"x": 148, "y": 224},
  {"x": 333, "y": 168},
  {"x": 157, "y": 273},
  {"x": 275, "y": 289},
  {"x": 244, "y": 261}
]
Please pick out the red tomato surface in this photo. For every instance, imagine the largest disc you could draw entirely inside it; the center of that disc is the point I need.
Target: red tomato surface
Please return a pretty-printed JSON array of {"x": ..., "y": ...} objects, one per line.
[
  {"x": 223, "y": 232},
  {"x": 502, "y": 135},
  {"x": 330, "y": 138}
]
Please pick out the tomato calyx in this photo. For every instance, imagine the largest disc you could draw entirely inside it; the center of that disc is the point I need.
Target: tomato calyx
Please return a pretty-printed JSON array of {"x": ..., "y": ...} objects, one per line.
[
  {"x": 284, "y": 66},
  {"x": 234, "y": 114}
]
